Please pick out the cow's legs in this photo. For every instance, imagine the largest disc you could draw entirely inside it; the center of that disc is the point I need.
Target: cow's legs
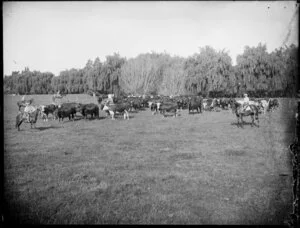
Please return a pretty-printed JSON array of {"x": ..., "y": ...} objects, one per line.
[{"x": 19, "y": 124}]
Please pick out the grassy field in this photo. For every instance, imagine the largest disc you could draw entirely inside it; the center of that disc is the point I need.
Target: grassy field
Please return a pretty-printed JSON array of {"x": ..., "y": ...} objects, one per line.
[{"x": 193, "y": 169}]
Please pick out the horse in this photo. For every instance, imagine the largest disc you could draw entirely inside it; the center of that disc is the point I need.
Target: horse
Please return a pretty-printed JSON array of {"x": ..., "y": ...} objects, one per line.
[
  {"x": 251, "y": 110},
  {"x": 117, "y": 108},
  {"x": 58, "y": 96},
  {"x": 33, "y": 116},
  {"x": 101, "y": 104}
]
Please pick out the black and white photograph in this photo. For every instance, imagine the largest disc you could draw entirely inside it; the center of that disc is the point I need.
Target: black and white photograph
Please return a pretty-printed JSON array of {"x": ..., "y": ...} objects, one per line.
[{"x": 150, "y": 113}]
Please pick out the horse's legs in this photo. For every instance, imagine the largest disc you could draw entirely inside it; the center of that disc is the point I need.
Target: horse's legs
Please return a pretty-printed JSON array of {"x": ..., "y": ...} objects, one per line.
[
  {"x": 242, "y": 121},
  {"x": 238, "y": 120},
  {"x": 19, "y": 123}
]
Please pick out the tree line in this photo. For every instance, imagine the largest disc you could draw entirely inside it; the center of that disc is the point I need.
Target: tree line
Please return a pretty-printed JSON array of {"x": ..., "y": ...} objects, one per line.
[{"x": 208, "y": 72}]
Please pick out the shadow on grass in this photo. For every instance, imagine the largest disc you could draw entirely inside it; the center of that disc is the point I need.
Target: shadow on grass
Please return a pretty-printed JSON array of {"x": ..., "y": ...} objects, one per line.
[
  {"x": 192, "y": 113},
  {"x": 171, "y": 115},
  {"x": 47, "y": 128},
  {"x": 134, "y": 111},
  {"x": 120, "y": 117},
  {"x": 244, "y": 124},
  {"x": 91, "y": 119}
]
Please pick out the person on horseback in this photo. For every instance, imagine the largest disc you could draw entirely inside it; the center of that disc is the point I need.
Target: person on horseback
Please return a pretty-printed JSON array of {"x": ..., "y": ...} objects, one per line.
[
  {"x": 28, "y": 110},
  {"x": 246, "y": 102},
  {"x": 110, "y": 100}
]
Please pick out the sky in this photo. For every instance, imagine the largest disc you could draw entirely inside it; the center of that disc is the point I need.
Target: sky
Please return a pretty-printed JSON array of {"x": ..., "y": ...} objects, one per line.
[{"x": 55, "y": 36}]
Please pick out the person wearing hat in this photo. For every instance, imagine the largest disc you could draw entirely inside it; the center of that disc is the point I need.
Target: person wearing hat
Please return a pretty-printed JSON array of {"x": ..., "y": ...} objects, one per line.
[
  {"x": 110, "y": 99},
  {"x": 246, "y": 102}
]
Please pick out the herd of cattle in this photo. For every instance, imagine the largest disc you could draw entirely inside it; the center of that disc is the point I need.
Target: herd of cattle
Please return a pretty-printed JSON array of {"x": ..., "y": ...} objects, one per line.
[{"x": 125, "y": 105}]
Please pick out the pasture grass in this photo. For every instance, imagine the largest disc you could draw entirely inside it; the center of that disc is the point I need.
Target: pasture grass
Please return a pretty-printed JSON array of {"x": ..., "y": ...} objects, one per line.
[{"x": 193, "y": 169}]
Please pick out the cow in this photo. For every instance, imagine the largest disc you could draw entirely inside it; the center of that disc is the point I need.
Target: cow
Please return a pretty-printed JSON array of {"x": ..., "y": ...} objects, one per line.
[
  {"x": 31, "y": 118},
  {"x": 210, "y": 104},
  {"x": 195, "y": 103},
  {"x": 224, "y": 103},
  {"x": 90, "y": 109},
  {"x": 273, "y": 104},
  {"x": 135, "y": 103},
  {"x": 169, "y": 107},
  {"x": 155, "y": 107},
  {"x": 180, "y": 103},
  {"x": 122, "y": 108},
  {"x": 68, "y": 110},
  {"x": 48, "y": 109},
  {"x": 265, "y": 105}
]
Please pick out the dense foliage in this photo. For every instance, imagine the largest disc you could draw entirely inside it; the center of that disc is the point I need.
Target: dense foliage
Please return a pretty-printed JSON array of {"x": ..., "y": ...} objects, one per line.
[{"x": 208, "y": 72}]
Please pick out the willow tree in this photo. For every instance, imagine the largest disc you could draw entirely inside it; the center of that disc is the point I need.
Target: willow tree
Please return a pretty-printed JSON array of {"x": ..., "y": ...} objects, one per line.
[
  {"x": 142, "y": 74},
  {"x": 255, "y": 68},
  {"x": 173, "y": 77},
  {"x": 208, "y": 71},
  {"x": 262, "y": 71}
]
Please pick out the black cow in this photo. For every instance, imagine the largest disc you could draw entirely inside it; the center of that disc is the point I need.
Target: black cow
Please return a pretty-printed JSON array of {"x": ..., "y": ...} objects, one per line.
[
  {"x": 68, "y": 110},
  {"x": 273, "y": 104},
  {"x": 224, "y": 103},
  {"x": 169, "y": 107},
  {"x": 135, "y": 104},
  {"x": 46, "y": 110},
  {"x": 195, "y": 103},
  {"x": 90, "y": 109}
]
